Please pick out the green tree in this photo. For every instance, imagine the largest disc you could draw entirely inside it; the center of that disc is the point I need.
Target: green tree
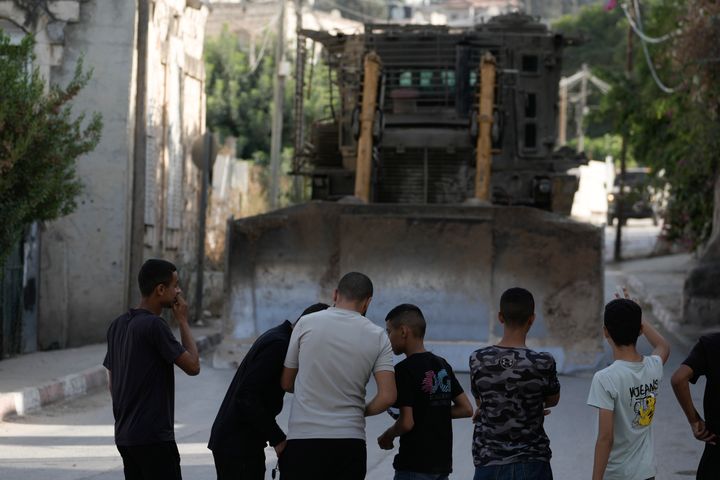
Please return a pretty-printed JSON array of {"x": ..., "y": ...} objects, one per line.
[
  {"x": 676, "y": 134},
  {"x": 239, "y": 96},
  {"x": 601, "y": 39},
  {"x": 39, "y": 142}
]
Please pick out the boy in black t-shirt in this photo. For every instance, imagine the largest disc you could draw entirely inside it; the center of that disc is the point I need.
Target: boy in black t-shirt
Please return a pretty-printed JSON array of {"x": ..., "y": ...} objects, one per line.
[
  {"x": 704, "y": 359},
  {"x": 429, "y": 396}
]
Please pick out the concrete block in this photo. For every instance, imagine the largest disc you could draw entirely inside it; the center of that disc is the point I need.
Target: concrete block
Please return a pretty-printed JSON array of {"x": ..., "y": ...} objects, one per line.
[
  {"x": 65, "y": 10},
  {"x": 56, "y": 55},
  {"x": 56, "y": 31},
  {"x": 27, "y": 401},
  {"x": 701, "y": 302}
]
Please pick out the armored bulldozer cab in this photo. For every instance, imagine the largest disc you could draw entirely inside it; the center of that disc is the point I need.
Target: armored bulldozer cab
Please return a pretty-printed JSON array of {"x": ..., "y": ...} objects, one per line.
[{"x": 426, "y": 125}]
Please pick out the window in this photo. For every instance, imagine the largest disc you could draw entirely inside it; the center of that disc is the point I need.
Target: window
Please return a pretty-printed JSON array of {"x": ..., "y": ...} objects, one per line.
[
  {"x": 530, "y": 105},
  {"x": 405, "y": 79},
  {"x": 530, "y": 63},
  {"x": 448, "y": 78},
  {"x": 530, "y": 136}
]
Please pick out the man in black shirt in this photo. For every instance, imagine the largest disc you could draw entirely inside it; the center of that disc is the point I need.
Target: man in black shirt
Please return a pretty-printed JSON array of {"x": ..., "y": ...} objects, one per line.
[
  {"x": 140, "y": 356},
  {"x": 704, "y": 359},
  {"x": 428, "y": 397},
  {"x": 246, "y": 420}
]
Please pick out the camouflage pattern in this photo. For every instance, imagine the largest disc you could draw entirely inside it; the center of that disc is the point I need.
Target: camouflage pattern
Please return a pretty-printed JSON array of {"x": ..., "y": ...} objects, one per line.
[{"x": 511, "y": 384}]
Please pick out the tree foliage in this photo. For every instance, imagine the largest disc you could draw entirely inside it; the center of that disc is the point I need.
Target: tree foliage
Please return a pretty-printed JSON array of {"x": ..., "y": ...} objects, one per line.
[
  {"x": 239, "y": 96},
  {"x": 40, "y": 142},
  {"x": 600, "y": 36},
  {"x": 677, "y": 135}
]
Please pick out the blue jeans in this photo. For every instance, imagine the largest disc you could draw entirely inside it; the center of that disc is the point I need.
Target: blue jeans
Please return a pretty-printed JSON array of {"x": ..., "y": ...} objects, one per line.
[
  {"x": 515, "y": 471},
  {"x": 402, "y": 475}
]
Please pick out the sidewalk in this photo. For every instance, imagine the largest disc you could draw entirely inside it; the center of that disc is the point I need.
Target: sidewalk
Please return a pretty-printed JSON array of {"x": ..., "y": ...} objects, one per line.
[
  {"x": 29, "y": 382},
  {"x": 658, "y": 284}
]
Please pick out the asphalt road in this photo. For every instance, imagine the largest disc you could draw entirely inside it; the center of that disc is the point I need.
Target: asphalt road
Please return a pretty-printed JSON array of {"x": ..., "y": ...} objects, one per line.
[
  {"x": 638, "y": 239},
  {"x": 74, "y": 440}
]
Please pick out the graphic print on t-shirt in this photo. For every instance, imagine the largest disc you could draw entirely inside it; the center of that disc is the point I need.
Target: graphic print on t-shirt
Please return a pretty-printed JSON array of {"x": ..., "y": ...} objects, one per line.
[
  {"x": 433, "y": 382},
  {"x": 642, "y": 398}
]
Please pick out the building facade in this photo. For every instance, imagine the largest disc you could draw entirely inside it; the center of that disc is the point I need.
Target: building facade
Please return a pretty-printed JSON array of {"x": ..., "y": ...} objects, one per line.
[{"x": 143, "y": 163}]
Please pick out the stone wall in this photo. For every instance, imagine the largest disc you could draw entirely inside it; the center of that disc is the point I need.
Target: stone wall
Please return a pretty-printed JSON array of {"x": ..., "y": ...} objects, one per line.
[
  {"x": 176, "y": 118},
  {"x": 84, "y": 272},
  {"x": 701, "y": 296}
]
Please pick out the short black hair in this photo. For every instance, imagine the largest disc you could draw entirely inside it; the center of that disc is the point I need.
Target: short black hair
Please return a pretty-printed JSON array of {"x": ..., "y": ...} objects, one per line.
[
  {"x": 409, "y": 315},
  {"x": 517, "y": 305},
  {"x": 153, "y": 273},
  {"x": 315, "y": 307},
  {"x": 622, "y": 319},
  {"x": 355, "y": 286}
]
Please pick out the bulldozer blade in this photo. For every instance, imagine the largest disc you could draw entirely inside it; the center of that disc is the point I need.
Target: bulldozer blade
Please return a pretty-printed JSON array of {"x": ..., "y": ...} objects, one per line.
[{"x": 453, "y": 261}]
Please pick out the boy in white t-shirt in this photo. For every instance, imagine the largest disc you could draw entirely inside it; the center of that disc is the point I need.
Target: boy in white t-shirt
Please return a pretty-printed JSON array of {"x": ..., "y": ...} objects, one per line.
[{"x": 625, "y": 395}]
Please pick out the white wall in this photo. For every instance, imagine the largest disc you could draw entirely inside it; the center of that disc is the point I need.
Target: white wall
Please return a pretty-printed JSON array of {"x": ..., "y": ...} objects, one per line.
[{"x": 84, "y": 255}]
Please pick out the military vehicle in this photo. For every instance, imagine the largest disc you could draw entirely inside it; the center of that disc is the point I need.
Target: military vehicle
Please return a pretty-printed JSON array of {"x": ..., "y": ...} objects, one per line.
[
  {"x": 426, "y": 124},
  {"x": 438, "y": 176}
]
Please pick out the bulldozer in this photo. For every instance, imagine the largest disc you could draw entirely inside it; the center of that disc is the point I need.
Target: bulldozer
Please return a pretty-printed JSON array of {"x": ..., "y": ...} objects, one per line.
[{"x": 438, "y": 176}]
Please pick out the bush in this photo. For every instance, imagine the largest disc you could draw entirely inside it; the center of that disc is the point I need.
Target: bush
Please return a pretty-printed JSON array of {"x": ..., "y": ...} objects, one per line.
[{"x": 39, "y": 143}]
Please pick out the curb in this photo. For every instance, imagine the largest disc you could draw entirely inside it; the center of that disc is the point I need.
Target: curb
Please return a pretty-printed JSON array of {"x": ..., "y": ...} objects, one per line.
[
  {"x": 661, "y": 313},
  {"x": 32, "y": 399}
]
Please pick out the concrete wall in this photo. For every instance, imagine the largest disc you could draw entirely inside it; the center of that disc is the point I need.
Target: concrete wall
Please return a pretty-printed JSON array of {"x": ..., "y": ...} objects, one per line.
[
  {"x": 84, "y": 273},
  {"x": 83, "y": 259},
  {"x": 176, "y": 118},
  {"x": 453, "y": 261},
  {"x": 701, "y": 300}
]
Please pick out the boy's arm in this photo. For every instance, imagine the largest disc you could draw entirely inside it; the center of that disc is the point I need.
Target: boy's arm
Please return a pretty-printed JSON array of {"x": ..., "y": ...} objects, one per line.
[
  {"x": 291, "y": 365},
  {"x": 402, "y": 425},
  {"x": 604, "y": 443},
  {"x": 681, "y": 386},
  {"x": 660, "y": 345},
  {"x": 461, "y": 407},
  {"x": 287, "y": 379},
  {"x": 552, "y": 400},
  {"x": 385, "y": 396}
]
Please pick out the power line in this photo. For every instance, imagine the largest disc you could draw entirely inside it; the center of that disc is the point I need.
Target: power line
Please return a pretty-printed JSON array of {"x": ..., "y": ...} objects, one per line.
[
  {"x": 263, "y": 46},
  {"x": 646, "y": 51},
  {"x": 638, "y": 31}
]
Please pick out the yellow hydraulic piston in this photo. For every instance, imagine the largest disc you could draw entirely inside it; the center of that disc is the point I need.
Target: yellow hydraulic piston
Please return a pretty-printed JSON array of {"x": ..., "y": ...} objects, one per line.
[
  {"x": 484, "y": 142},
  {"x": 363, "y": 167}
]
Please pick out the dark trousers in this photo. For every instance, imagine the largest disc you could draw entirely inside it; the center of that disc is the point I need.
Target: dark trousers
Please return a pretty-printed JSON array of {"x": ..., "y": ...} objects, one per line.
[
  {"x": 709, "y": 468},
  {"x": 157, "y": 461},
  {"x": 324, "y": 459},
  {"x": 236, "y": 466}
]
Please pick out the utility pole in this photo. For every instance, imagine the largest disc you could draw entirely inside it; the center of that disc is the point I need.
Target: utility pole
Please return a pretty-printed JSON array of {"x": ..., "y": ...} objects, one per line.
[
  {"x": 277, "y": 115},
  {"x": 137, "y": 222},
  {"x": 580, "y": 115},
  {"x": 207, "y": 157},
  {"x": 562, "y": 116},
  {"x": 619, "y": 209},
  {"x": 299, "y": 98}
]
